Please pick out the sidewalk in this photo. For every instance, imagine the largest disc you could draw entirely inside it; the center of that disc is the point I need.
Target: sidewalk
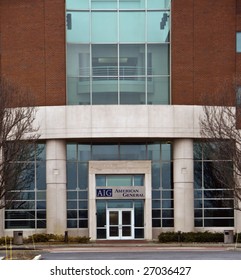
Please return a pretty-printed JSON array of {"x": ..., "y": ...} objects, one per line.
[{"x": 103, "y": 244}]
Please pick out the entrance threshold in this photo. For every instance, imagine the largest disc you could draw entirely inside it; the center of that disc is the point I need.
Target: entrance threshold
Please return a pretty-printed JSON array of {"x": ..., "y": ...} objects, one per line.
[{"x": 122, "y": 242}]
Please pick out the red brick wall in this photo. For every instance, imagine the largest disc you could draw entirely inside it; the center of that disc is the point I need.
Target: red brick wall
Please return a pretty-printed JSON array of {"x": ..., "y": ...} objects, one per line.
[
  {"x": 203, "y": 51},
  {"x": 33, "y": 47}
]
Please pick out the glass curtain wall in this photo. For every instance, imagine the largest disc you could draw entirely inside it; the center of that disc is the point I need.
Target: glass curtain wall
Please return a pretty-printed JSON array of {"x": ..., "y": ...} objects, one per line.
[
  {"x": 78, "y": 156},
  {"x": 29, "y": 210},
  {"x": 213, "y": 202},
  {"x": 118, "y": 51}
]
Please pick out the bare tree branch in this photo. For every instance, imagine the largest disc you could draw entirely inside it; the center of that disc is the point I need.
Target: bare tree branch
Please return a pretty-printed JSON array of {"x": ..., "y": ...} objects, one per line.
[
  {"x": 17, "y": 141},
  {"x": 218, "y": 125}
]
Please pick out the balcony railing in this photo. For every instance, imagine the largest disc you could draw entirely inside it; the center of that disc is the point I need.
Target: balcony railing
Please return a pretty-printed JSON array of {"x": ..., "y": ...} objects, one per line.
[{"x": 108, "y": 72}]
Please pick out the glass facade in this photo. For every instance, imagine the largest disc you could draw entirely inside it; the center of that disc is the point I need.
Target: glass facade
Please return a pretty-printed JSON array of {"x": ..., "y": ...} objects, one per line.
[
  {"x": 118, "y": 52},
  {"x": 78, "y": 156},
  {"x": 29, "y": 210},
  {"x": 213, "y": 202}
]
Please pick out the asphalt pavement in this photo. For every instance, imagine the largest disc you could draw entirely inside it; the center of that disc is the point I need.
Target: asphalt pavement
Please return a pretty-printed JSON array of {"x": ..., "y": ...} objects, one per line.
[{"x": 137, "y": 251}]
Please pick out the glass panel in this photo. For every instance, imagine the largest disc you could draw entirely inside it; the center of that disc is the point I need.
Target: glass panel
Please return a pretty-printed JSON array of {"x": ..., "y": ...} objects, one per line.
[
  {"x": 104, "y": 27},
  {"x": 41, "y": 195},
  {"x": 197, "y": 175},
  {"x": 219, "y": 213},
  {"x": 19, "y": 215},
  {"x": 158, "y": 90},
  {"x": 167, "y": 223},
  {"x": 26, "y": 196},
  {"x": 132, "y": 60},
  {"x": 126, "y": 231},
  {"x": 99, "y": 97},
  {"x": 83, "y": 223},
  {"x": 103, "y": 4},
  {"x": 75, "y": 5},
  {"x": 20, "y": 224},
  {"x": 105, "y": 74},
  {"x": 167, "y": 213},
  {"x": 119, "y": 180},
  {"x": 100, "y": 180},
  {"x": 133, "y": 152},
  {"x": 138, "y": 180},
  {"x": 198, "y": 223},
  {"x": 41, "y": 175},
  {"x": 238, "y": 42},
  {"x": 114, "y": 231},
  {"x": 218, "y": 222},
  {"x": 156, "y": 175},
  {"x": 78, "y": 60},
  {"x": 84, "y": 152},
  {"x": 167, "y": 203},
  {"x": 41, "y": 152},
  {"x": 83, "y": 175},
  {"x": 83, "y": 194},
  {"x": 166, "y": 152},
  {"x": 78, "y": 91},
  {"x": 139, "y": 233},
  {"x": 114, "y": 218},
  {"x": 167, "y": 175},
  {"x": 197, "y": 150},
  {"x": 132, "y": 91},
  {"x": 156, "y": 194},
  {"x": 78, "y": 27},
  {"x": 71, "y": 204},
  {"x": 41, "y": 204},
  {"x": 139, "y": 213},
  {"x": 71, "y": 214},
  {"x": 83, "y": 204},
  {"x": 83, "y": 214},
  {"x": 158, "y": 59},
  {"x": 71, "y": 175},
  {"x": 156, "y": 204},
  {"x": 126, "y": 217},
  {"x": 167, "y": 194},
  {"x": 78, "y": 72},
  {"x": 71, "y": 152},
  {"x": 156, "y": 222},
  {"x": 105, "y": 152},
  {"x": 120, "y": 204},
  {"x": 41, "y": 223},
  {"x": 156, "y": 213},
  {"x": 101, "y": 214},
  {"x": 158, "y": 26},
  {"x": 222, "y": 203},
  {"x": 153, "y": 152},
  {"x": 71, "y": 223},
  {"x": 132, "y": 27},
  {"x": 158, "y": 4},
  {"x": 101, "y": 233},
  {"x": 41, "y": 215},
  {"x": 132, "y": 4},
  {"x": 71, "y": 195}
]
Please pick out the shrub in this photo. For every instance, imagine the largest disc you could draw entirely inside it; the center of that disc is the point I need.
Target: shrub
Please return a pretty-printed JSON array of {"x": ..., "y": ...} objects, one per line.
[
  {"x": 43, "y": 237},
  {"x": 4, "y": 239},
  {"x": 200, "y": 237}
]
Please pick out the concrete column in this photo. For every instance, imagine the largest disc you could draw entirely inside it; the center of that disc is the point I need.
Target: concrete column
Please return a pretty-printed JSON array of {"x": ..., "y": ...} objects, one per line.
[
  {"x": 183, "y": 177},
  {"x": 56, "y": 186},
  {"x": 147, "y": 206}
]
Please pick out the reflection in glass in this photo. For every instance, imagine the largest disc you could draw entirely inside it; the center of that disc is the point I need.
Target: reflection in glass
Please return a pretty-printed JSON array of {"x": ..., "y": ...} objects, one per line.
[{"x": 126, "y": 217}]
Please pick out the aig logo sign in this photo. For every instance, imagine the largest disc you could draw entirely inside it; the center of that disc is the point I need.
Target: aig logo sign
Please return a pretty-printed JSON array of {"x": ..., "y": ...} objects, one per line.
[{"x": 104, "y": 193}]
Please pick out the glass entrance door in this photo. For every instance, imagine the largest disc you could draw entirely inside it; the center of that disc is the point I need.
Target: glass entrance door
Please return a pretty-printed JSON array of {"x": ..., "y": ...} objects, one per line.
[{"x": 120, "y": 223}]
